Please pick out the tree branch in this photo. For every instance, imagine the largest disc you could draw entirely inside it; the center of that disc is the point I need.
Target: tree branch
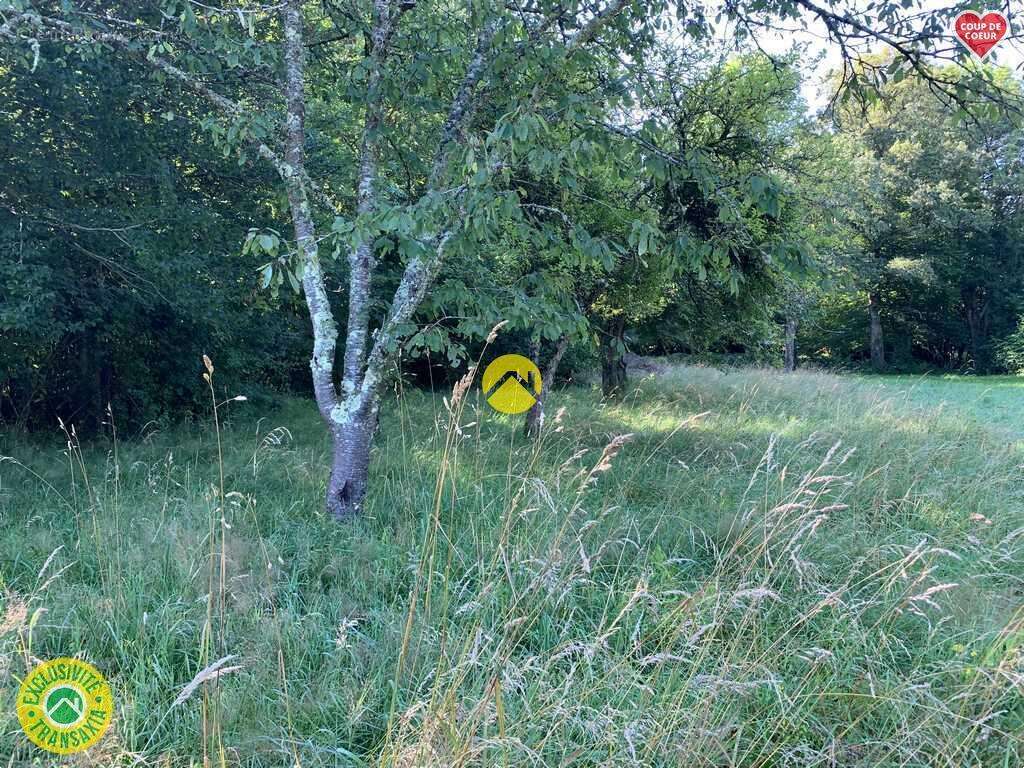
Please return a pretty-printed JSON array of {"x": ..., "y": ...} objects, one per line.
[
  {"x": 462, "y": 106},
  {"x": 947, "y": 89},
  {"x": 422, "y": 270},
  {"x": 325, "y": 329},
  {"x": 587, "y": 32},
  {"x": 361, "y": 260}
]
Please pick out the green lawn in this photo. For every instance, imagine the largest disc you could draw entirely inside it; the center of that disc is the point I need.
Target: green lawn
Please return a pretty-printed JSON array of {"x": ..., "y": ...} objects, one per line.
[
  {"x": 773, "y": 570},
  {"x": 993, "y": 401}
]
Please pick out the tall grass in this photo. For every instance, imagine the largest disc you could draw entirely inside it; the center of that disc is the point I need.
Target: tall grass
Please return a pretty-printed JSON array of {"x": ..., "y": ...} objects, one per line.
[{"x": 742, "y": 569}]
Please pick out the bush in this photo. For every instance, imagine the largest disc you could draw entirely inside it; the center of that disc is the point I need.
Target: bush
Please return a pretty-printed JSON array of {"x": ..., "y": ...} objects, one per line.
[{"x": 1010, "y": 351}]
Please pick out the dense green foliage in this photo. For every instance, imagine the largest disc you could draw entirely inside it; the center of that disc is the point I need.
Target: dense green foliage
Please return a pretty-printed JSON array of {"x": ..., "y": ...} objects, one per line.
[
  {"x": 120, "y": 264},
  {"x": 932, "y": 207}
]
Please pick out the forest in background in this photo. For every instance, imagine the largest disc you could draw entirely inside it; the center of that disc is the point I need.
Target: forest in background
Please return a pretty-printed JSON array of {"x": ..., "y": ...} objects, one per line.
[{"x": 692, "y": 205}]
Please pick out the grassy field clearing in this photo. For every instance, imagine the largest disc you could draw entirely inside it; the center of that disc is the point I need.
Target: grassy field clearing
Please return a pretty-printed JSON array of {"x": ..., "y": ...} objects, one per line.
[
  {"x": 996, "y": 402},
  {"x": 770, "y": 570}
]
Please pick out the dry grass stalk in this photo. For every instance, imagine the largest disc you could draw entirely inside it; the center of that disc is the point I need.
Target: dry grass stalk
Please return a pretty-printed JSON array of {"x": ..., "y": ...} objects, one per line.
[{"x": 211, "y": 672}]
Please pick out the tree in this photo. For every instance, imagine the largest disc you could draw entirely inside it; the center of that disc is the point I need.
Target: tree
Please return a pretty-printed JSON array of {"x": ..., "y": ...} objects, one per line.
[
  {"x": 930, "y": 196},
  {"x": 414, "y": 77},
  {"x": 455, "y": 197},
  {"x": 725, "y": 185}
]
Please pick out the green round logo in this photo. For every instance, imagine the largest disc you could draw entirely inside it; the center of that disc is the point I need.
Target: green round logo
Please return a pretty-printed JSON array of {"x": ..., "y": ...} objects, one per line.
[{"x": 65, "y": 706}]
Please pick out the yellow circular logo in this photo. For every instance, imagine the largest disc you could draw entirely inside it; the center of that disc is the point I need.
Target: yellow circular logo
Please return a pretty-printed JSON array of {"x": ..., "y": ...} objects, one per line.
[
  {"x": 64, "y": 705},
  {"x": 511, "y": 384}
]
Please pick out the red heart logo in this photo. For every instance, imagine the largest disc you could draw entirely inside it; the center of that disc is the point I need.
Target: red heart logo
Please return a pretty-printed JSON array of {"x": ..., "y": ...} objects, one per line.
[{"x": 980, "y": 33}]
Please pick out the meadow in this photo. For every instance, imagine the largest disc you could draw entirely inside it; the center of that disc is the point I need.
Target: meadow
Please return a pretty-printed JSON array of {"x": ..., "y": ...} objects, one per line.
[
  {"x": 996, "y": 402},
  {"x": 739, "y": 568}
]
